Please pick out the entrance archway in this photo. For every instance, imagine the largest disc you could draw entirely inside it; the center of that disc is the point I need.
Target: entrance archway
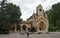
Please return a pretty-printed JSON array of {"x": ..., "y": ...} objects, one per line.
[
  {"x": 42, "y": 26},
  {"x": 18, "y": 28},
  {"x": 24, "y": 27},
  {"x": 13, "y": 28}
]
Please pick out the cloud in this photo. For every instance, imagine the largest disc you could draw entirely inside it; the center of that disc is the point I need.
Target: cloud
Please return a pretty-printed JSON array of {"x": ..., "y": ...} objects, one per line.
[
  {"x": 43, "y": 0},
  {"x": 27, "y": 6}
]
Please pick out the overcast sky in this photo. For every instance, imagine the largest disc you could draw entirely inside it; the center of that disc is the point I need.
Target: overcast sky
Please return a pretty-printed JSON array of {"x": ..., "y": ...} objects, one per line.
[{"x": 27, "y": 6}]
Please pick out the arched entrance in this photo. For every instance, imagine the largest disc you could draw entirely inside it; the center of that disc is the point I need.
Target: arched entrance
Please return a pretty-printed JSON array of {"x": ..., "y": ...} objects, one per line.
[
  {"x": 42, "y": 26},
  {"x": 13, "y": 28},
  {"x": 24, "y": 27},
  {"x": 18, "y": 28}
]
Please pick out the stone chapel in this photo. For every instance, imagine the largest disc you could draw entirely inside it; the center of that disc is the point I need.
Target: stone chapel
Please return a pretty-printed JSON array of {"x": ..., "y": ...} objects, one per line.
[{"x": 39, "y": 20}]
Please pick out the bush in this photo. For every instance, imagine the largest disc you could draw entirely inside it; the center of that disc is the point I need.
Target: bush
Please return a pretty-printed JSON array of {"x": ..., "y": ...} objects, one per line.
[
  {"x": 33, "y": 29},
  {"x": 4, "y": 31}
]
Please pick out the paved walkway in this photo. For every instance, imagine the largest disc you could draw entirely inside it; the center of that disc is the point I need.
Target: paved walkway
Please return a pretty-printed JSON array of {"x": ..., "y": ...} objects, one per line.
[{"x": 17, "y": 35}]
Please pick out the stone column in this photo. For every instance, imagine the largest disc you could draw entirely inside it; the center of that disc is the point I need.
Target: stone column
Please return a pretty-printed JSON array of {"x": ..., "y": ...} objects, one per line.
[
  {"x": 21, "y": 28},
  {"x": 37, "y": 28},
  {"x": 15, "y": 27},
  {"x": 26, "y": 28}
]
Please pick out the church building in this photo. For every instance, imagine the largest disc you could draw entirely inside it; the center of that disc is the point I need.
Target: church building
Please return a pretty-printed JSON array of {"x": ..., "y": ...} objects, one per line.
[{"x": 38, "y": 20}]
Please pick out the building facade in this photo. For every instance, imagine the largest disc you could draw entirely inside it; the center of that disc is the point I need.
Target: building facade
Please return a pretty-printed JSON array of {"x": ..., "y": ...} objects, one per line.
[{"x": 38, "y": 20}]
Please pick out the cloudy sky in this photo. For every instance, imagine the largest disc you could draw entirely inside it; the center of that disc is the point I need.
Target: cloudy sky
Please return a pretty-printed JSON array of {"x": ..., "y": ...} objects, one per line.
[{"x": 27, "y": 6}]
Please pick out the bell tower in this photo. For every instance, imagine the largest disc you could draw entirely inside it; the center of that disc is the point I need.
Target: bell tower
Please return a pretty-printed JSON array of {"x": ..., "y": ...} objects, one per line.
[{"x": 39, "y": 10}]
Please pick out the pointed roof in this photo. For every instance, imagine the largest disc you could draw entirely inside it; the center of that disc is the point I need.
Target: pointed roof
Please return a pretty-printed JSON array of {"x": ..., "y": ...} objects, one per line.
[{"x": 39, "y": 6}]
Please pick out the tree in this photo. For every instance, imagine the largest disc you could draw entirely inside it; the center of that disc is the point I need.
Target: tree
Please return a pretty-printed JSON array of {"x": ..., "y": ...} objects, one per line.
[
  {"x": 54, "y": 17},
  {"x": 9, "y": 14}
]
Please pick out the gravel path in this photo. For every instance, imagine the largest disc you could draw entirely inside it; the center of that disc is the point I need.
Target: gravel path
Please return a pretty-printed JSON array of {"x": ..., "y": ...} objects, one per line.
[{"x": 17, "y": 35}]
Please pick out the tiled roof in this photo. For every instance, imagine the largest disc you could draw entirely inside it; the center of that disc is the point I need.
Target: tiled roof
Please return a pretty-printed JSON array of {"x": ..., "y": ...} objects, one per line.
[{"x": 26, "y": 22}]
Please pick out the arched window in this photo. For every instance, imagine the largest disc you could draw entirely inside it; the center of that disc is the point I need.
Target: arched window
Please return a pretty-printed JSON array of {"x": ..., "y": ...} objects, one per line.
[{"x": 18, "y": 27}]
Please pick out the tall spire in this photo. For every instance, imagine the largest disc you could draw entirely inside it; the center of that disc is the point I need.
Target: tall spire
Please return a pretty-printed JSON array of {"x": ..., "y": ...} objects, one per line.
[
  {"x": 33, "y": 11},
  {"x": 33, "y": 16}
]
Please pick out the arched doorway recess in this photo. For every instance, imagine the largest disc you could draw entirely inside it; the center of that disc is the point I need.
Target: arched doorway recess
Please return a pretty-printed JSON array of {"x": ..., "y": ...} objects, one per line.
[{"x": 42, "y": 26}]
